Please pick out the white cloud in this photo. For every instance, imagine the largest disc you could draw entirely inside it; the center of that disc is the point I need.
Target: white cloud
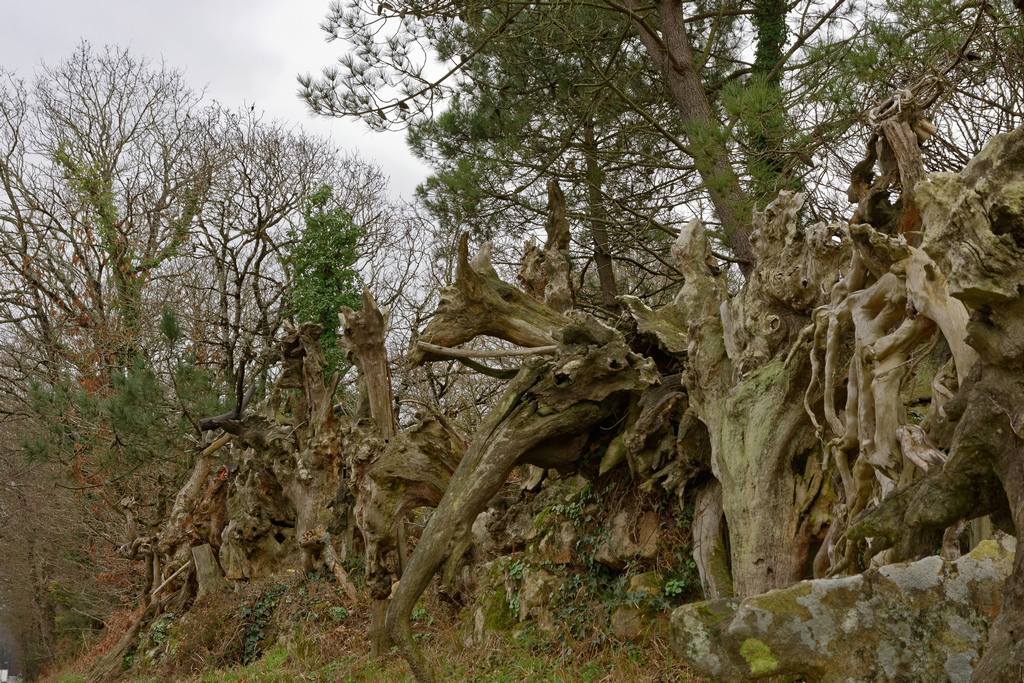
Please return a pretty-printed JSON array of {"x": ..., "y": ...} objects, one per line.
[{"x": 242, "y": 52}]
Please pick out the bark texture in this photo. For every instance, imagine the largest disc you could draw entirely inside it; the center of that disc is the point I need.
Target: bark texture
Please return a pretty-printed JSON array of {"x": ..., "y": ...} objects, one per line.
[
  {"x": 746, "y": 372},
  {"x": 974, "y": 229},
  {"x": 480, "y": 303},
  {"x": 546, "y": 274},
  {"x": 544, "y": 418}
]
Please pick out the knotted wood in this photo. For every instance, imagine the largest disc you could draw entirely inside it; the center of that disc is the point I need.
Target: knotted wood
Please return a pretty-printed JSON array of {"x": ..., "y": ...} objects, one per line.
[{"x": 480, "y": 303}]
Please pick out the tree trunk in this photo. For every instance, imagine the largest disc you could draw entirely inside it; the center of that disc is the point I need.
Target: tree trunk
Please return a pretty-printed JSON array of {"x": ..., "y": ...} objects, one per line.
[
  {"x": 412, "y": 471},
  {"x": 775, "y": 495},
  {"x": 543, "y": 418},
  {"x": 480, "y": 303},
  {"x": 546, "y": 274},
  {"x": 747, "y": 367},
  {"x": 363, "y": 338},
  {"x": 708, "y": 547},
  {"x": 671, "y": 53},
  {"x": 208, "y": 573},
  {"x": 767, "y": 125},
  {"x": 598, "y": 216},
  {"x": 380, "y": 639}
]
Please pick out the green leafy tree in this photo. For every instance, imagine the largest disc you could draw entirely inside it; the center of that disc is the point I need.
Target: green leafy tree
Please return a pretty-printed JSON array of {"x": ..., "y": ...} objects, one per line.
[
  {"x": 516, "y": 80},
  {"x": 557, "y": 95},
  {"x": 322, "y": 260}
]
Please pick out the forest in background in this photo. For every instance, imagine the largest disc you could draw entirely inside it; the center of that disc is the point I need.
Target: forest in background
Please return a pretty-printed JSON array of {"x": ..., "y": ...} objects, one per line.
[{"x": 165, "y": 259}]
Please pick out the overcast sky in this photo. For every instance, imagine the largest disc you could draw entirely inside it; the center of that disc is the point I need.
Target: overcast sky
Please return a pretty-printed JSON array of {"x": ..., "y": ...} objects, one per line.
[{"x": 243, "y": 52}]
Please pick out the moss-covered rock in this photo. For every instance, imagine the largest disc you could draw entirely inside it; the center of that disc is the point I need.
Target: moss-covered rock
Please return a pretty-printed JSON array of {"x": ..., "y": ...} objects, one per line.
[
  {"x": 920, "y": 621},
  {"x": 494, "y": 613},
  {"x": 649, "y": 583},
  {"x": 537, "y": 591}
]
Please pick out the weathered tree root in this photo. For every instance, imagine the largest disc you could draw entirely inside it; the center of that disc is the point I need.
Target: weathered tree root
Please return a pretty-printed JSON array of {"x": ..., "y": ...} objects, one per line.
[
  {"x": 544, "y": 418},
  {"x": 480, "y": 303},
  {"x": 974, "y": 229}
]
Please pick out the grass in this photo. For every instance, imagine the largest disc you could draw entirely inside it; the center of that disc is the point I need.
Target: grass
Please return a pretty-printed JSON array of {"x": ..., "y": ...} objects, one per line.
[
  {"x": 505, "y": 661},
  {"x": 289, "y": 628},
  {"x": 310, "y": 638}
]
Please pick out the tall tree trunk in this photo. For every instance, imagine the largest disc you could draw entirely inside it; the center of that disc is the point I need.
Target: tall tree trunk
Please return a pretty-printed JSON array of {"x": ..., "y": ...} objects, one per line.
[
  {"x": 671, "y": 53},
  {"x": 597, "y": 214},
  {"x": 744, "y": 380},
  {"x": 363, "y": 339},
  {"x": 768, "y": 124},
  {"x": 44, "y": 612}
]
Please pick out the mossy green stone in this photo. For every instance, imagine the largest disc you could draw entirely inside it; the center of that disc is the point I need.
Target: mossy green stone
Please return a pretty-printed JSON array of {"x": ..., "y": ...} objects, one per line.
[
  {"x": 989, "y": 550},
  {"x": 498, "y": 612},
  {"x": 784, "y": 601},
  {"x": 759, "y": 656}
]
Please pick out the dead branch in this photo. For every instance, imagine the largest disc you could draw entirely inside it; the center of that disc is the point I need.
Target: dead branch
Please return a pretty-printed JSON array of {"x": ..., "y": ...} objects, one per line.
[{"x": 480, "y": 303}]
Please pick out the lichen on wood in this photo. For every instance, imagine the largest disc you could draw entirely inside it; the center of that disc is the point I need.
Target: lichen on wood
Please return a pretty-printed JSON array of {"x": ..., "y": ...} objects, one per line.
[
  {"x": 481, "y": 303},
  {"x": 545, "y": 417}
]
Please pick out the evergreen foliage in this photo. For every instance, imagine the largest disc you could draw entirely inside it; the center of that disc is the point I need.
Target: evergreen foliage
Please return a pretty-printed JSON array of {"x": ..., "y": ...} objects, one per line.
[
  {"x": 322, "y": 260},
  {"x": 558, "y": 94}
]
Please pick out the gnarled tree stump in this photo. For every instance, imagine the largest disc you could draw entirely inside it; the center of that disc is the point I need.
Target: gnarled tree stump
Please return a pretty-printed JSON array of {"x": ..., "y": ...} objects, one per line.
[{"x": 544, "y": 418}]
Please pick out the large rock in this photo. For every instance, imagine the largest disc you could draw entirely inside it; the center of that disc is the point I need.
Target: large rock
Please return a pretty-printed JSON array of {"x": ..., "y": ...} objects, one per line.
[
  {"x": 642, "y": 618},
  {"x": 494, "y": 613},
  {"x": 648, "y": 583},
  {"x": 921, "y": 621},
  {"x": 509, "y": 526},
  {"x": 537, "y": 591},
  {"x": 620, "y": 546},
  {"x": 628, "y": 623}
]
